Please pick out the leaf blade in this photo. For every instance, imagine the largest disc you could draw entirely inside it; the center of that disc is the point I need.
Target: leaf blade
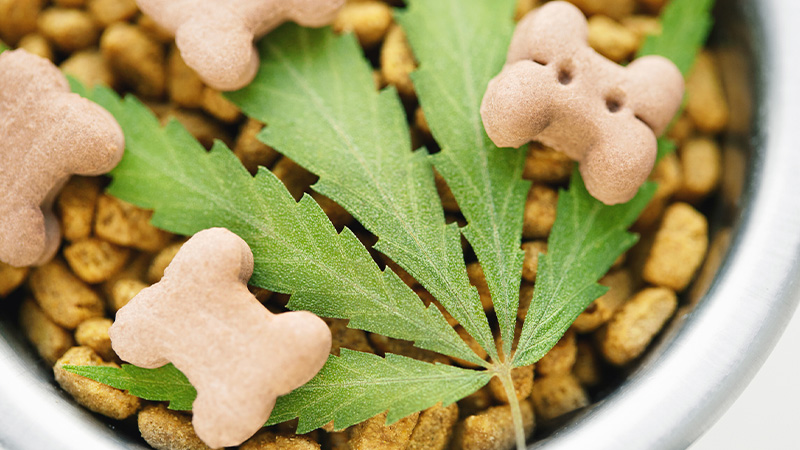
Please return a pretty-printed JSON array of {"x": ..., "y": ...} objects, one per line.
[
  {"x": 315, "y": 92},
  {"x": 486, "y": 181},
  {"x": 296, "y": 249}
]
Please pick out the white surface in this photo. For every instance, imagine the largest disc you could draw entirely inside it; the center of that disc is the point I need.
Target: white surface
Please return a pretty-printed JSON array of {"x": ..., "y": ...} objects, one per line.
[{"x": 767, "y": 415}]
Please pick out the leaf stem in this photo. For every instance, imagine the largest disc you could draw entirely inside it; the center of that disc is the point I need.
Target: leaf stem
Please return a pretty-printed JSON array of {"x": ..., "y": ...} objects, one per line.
[{"x": 504, "y": 374}]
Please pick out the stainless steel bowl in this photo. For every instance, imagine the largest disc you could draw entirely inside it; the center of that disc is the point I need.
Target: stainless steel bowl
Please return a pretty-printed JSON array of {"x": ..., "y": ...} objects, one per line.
[{"x": 749, "y": 287}]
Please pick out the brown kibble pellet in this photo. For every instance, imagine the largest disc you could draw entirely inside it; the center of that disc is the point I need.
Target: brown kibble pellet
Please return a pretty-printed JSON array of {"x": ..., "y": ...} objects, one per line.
[
  {"x": 524, "y": 7},
  {"x": 37, "y": 44},
  {"x": 642, "y": 26},
  {"x": 184, "y": 85},
  {"x": 615, "y": 9},
  {"x": 90, "y": 68},
  {"x": 106, "y": 12},
  {"x": 678, "y": 249},
  {"x": 620, "y": 284},
  {"x": 669, "y": 176},
  {"x": 611, "y": 39},
  {"x": 471, "y": 343},
  {"x": 492, "y": 429},
  {"x": 296, "y": 179},
  {"x": 523, "y": 383},
  {"x": 67, "y": 300},
  {"x": 250, "y": 150},
  {"x": 265, "y": 440},
  {"x": 338, "y": 216},
  {"x": 478, "y": 279},
  {"x": 123, "y": 292},
  {"x": 540, "y": 212},
  {"x": 434, "y": 428},
  {"x": 654, "y": 5},
  {"x": 11, "y": 278},
  {"x": 220, "y": 107},
  {"x": 369, "y": 20},
  {"x": 476, "y": 402},
  {"x": 530, "y": 266},
  {"x": 422, "y": 123},
  {"x": 136, "y": 59},
  {"x": 154, "y": 30},
  {"x": 76, "y": 205},
  {"x": 587, "y": 367},
  {"x": 701, "y": 165},
  {"x": 95, "y": 396},
  {"x": 525, "y": 298},
  {"x": 163, "y": 429},
  {"x": 50, "y": 340},
  {"x": 94, "y": 260},
  {"x": 397, "y": 62},
  {"x": 561, "y": 358},
  {"x": 124, "y": 224},
  {"x": 350, "y": 338},
  {"x": 545, "y": 165},
  {"x": 93, "y": 333},
  {"x": 630, "y": 331},
  {"x": 156, "y": 270},
  {"x": 68, "y": 29},
  {"x": 18, "y": 18},
  {"x": 374, "y": 434},
  {"x": 557, "y": 395},
  {"x": 199, "y": 125},
  {"x": 383, "y": 345},
  {"x": 706, "y": 104},
  {"x": 449, "y": 202},
  {"x": 70, "y": 3}
]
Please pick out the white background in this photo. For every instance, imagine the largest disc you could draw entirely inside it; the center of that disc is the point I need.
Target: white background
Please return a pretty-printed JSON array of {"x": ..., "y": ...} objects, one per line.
[{"x": 767, "y": 415}]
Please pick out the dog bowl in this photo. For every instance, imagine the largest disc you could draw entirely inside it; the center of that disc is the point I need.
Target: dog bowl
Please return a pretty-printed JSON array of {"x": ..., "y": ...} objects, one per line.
[{"x": 727, "y": 326}]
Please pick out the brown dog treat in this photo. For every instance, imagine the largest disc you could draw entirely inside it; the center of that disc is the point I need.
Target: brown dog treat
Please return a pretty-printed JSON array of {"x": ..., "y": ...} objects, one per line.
[
  {"x": 47, "y": 134},
  {"x": 62, "y": 296},
  {"x": 434, "y": 428},
  {"x": 557, "y": 90},
  {"x": 36, "y": 44},
  {"x": 11, "y": 278},
  {"x": 93, "y": 395},
  {"x": 164, "y": 429},
  {"x": 50, "y": 340},
  {"x": 215, "y": 37},
  {"x": 201, "y": 310},
  {"x": 374, "y": 434}
]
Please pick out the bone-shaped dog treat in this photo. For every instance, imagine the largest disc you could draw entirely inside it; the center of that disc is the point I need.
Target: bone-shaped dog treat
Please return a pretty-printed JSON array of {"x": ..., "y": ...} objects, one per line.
[
  {"x": 557, "y": 90},
  {"x": 46, "y": 135},
  {"x": 215, "y": 37},
  {"x": 239, "y": 356}
]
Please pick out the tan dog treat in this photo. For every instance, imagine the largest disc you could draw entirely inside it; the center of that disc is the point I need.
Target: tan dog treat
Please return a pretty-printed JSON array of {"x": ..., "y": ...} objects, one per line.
[
  {"x": 164, "y": 429},
  {"x": 369, "y": 20},
  {"x": 93, "y": 395},
  {"x": 11, "y": 278},
  {"x": 202, "y": 311},
  {"x": 50, "y": 340},
  {"x": 94, "y": 260},
  {"x": 47, "y": 134},
  {"x": 62, "y": 296},
  {"x": 557, "y": 395},
  {"x": 557, "y": 90},
  {"x": 215, "y": 37},
  {"x": 434, "y": 428}
]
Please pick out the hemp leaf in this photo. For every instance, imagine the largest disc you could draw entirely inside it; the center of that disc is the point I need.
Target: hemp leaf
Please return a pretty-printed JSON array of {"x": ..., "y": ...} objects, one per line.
[
  {"x": 295, "y": 247},
  {"x": 461, "y": 46},
  {"x": 163, "y": 384},
  {"x": 316, "y": 94}
]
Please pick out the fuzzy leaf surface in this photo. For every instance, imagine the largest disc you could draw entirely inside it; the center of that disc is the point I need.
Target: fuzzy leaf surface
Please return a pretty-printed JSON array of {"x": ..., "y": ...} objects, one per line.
[
  {"x": 159, "y": 385},
  {"x": 295, "y": 247},
  {"x": 316, "y": 94},
  {"x": 685, "y": 28},
  {"x": 356, "y": 386},
  {"x": 586, "y": 239},
  {"x": 461, "y": 45}
]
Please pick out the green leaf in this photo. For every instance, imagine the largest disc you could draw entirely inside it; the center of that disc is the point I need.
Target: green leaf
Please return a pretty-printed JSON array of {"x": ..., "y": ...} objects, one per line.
[
  {"x": 356, "y": 386},
  {"x": 461, "y": 45},
  {"x": 163, "y": 384},
  {"x": 685, "y": 28},
  {"x": 3, "y": 47},
  {"x": 665, "y": 147},
  {"x": 586, "y": 239},
  {"x": 296, "y": 249},
  {"x": 316, "y": 93}
]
